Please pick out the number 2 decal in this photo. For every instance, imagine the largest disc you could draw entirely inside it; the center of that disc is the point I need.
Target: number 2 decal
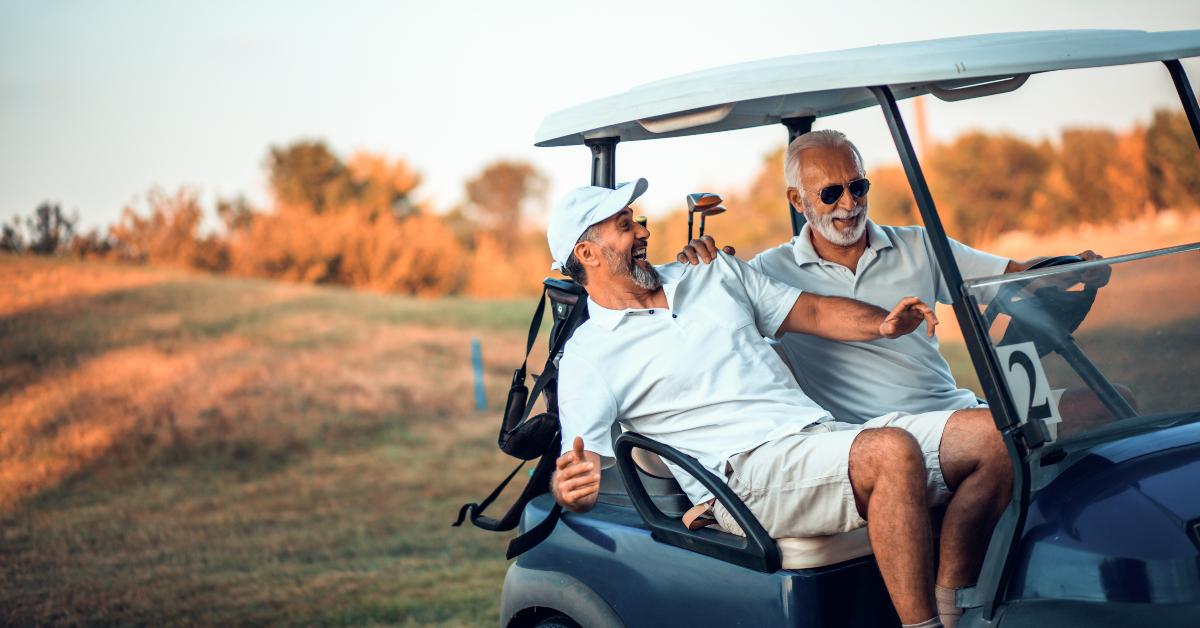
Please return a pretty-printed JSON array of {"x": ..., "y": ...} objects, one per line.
[{"x": 1027, "y": 383}]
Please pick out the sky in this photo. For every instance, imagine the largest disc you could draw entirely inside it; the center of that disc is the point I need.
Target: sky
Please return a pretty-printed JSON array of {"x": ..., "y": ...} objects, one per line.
[{"x": 101, "y": 101}]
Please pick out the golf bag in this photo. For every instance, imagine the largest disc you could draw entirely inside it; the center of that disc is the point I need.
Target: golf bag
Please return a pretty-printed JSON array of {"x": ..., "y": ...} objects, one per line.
[{"x": 525, "y": 437}]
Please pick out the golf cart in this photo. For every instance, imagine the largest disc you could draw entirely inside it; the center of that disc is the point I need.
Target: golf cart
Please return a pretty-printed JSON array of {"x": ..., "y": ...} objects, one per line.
[{"x": 1104, "y": 525}]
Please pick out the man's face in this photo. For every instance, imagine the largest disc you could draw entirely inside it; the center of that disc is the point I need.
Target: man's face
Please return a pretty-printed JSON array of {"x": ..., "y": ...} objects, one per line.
[
  {"x": 623, "y": 242},
  {"x": 845, "y": 221}
]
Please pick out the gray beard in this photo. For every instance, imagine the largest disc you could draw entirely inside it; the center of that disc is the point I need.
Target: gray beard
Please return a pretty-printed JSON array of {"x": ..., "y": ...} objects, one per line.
[
  {"x": 645, "y": 278},
  {"x": 823, "y": 224}
]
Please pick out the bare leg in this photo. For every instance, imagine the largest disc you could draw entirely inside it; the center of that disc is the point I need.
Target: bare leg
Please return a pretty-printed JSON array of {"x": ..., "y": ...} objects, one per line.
[
  {"x": 887, "y": 473},
  {"x": 976, "y": 467}
]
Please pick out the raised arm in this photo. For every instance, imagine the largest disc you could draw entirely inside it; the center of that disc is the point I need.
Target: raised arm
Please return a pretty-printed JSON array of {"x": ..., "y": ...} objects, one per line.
[{"x": 839, "y": 318}]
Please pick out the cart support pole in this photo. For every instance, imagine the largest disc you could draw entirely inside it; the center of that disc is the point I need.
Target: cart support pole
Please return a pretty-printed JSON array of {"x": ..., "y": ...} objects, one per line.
[
  {"x": 980, "y": 357},
  {"x": 989, "y": 590},
  {"x": 604, "y": 161},
  {"x": 796, "y": 127},
  {"x": 1186, "y": 96}
]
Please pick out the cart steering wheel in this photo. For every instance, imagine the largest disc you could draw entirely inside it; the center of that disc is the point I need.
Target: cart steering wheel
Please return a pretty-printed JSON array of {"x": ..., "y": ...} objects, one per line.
[{"x": 1048, "y": 316}]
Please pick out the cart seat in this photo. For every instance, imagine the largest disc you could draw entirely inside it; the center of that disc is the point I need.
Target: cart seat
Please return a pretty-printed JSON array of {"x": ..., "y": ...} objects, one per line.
[{"x": 798, "y": 552}]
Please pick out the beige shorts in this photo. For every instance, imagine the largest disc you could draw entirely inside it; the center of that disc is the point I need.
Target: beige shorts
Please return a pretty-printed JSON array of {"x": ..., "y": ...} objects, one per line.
[{"x": 799, "y": 485}]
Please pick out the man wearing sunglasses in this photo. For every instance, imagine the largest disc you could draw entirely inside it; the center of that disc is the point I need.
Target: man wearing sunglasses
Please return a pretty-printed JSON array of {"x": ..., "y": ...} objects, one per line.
[{"x": 840, "y": 252}]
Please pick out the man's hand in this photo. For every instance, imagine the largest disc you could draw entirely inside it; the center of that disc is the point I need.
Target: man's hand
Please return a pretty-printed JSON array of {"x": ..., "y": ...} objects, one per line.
[
  {"x": 848, "y": 320},
  {"x": 576, "y": 483},
  {"x": 702, "y": 249},
  {"x": 906, "y": 317},
  {"x": 1092, "y": 278},
  {"x": 1096, "y": 277}
]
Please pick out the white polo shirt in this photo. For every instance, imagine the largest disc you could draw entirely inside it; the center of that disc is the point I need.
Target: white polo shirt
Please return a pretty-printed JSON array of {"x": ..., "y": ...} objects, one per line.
[
  {"x": 859, "y": 380},
  {"x": 697, "y": 375}
]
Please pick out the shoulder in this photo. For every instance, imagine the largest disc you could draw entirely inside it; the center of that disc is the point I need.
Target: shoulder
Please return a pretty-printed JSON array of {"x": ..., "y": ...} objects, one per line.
[
  {"x": 731, "y": 266},
  {"x": 782, "y": 254},
  {"x": 672, "y": 272},
  {"x": 908, "y": 236},
  {"x": 690, "y": 273},
  {"x": 582, "y": 345},
  {"x": 909, "y": 241}
]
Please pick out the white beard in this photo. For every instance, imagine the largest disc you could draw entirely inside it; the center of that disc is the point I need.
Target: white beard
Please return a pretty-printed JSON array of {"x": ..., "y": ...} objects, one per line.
[
  {"x": 645, "y": 278},
  {"x": 823, "y": 224}
]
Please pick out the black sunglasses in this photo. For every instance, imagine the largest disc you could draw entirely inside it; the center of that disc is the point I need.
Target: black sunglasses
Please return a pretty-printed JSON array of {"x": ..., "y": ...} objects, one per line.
[{"x": 858, "y": 189}]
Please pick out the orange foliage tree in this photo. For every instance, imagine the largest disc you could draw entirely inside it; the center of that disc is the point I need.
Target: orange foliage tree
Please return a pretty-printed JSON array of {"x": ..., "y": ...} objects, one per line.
[
  {"x": 355, "y": 222},
  {"x": 168, "y": 234},
  {"x": 510, "y": 256}
]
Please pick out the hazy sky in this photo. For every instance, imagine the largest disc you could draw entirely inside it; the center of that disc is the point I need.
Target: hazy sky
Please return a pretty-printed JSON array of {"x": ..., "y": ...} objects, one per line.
[{"x": 101, "y": 100}]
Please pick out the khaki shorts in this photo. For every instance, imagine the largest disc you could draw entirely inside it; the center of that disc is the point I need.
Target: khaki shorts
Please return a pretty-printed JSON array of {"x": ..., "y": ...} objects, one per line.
[{"x": 799, "y": 485}]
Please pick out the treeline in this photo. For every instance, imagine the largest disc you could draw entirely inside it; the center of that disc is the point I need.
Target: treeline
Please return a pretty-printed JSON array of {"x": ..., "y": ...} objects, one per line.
[
  {"x": 352, "y": 222},
  {"x": 986, "y": 184},
  {"x": 355, "y": 222}
]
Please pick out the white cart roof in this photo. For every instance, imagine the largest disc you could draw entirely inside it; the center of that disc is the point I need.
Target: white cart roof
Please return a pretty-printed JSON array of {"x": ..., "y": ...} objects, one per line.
[{"x": 827, "y": 83}]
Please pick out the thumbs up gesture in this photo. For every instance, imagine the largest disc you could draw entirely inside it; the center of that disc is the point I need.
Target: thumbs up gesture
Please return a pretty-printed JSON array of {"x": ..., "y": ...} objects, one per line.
[{"x": 576, "y": 482}]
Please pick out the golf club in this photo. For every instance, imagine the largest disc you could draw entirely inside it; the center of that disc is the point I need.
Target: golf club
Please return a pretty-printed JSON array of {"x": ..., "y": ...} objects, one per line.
[
  {"x": 705, "y": 204},
  {"x": 719, "y": 209}
]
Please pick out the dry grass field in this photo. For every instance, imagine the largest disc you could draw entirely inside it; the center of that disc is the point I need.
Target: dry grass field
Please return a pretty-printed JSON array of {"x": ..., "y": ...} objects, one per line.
[
  {"x": 178, "y": 448},
  {"x": 185, "y": 449}
]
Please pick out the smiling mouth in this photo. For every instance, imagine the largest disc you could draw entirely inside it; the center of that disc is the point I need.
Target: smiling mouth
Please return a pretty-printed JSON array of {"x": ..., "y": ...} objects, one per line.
[
  {"x": 846, "y": 222},
  {"x": 639, "y": 254}
]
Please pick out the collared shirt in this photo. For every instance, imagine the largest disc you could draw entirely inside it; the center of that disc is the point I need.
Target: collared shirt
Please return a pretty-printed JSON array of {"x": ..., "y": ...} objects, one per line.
[
  {"x": 697, "y": 375},
  {"x": 859, "y": 380}
]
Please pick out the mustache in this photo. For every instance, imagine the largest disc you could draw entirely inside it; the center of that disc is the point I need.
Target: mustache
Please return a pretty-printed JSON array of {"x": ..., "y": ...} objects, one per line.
[{"x": 847, "y": 213}]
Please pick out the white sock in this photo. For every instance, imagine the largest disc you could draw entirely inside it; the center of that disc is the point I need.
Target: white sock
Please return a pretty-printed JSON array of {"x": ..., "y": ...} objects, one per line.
[
  {"x": 947, "y": 605},
  {"x": 932, "y": 622}
]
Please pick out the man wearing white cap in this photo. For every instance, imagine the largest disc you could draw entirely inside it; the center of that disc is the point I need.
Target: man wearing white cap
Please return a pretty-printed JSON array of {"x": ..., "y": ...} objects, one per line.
[{"x": 677, "y": 353}]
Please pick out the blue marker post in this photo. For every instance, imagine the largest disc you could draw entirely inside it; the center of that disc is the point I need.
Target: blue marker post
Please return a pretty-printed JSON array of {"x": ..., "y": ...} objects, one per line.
[{"x": 477, "y": 363}]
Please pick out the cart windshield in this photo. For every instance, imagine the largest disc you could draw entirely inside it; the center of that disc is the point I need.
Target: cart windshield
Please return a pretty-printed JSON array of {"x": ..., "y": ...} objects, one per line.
[{"x": 1085, "y": 345}]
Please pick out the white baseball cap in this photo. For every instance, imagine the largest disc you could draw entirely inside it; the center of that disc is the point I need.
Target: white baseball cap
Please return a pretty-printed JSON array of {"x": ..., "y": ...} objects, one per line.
[{"x": 582, "y": 208}]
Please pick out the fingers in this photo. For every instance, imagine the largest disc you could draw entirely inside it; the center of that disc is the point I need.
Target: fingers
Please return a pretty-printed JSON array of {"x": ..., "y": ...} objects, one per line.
[
  {"x": 729, "y": 250},
  {"x": 1089, "y": 255},
  {"x": 688, "y": 256},
  {"x": 571, "y": 457},
  {"x": 702, "y": 249},
  {"x": 576, "y": 495},
  {"x": 568, "y": 486},
  {"x": 577, "y": 480},
  {"x": 903, "y": 305},
  {"x": 906, "y": 317},
  {"x": 931, "y": 320},
  {"x": 572, "y": 470}
]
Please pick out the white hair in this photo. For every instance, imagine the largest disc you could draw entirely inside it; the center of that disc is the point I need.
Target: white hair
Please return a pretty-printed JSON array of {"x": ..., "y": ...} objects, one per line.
[{"x": 815, "y": 139}]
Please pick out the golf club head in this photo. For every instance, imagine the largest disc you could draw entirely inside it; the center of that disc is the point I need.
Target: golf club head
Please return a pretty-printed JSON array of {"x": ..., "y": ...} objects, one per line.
[
  {"x": 641, "y": 220},
  {"x": 700, "y": 200},
  {"x": 705, "y": 212}
]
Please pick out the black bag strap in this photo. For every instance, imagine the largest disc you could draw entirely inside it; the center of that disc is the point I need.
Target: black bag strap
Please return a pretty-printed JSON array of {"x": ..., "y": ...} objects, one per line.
[
  {"x": 474, "y": 510},
  {"x": 534, "y": 327},
  {"x": 550, "y": 371},
  {"x": 539, "y": 483},
  {"x": 535, "y": 535}
]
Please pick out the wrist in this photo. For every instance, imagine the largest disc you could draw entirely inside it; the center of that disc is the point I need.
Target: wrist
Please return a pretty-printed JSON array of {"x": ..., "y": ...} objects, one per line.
[{"x": 880, "y": 328}]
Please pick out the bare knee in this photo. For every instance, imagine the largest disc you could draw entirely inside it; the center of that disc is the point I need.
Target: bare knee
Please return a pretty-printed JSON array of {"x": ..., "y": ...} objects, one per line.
[
  {"x": 885, "y": 454},
  {"x": 972, "y": 445}
]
